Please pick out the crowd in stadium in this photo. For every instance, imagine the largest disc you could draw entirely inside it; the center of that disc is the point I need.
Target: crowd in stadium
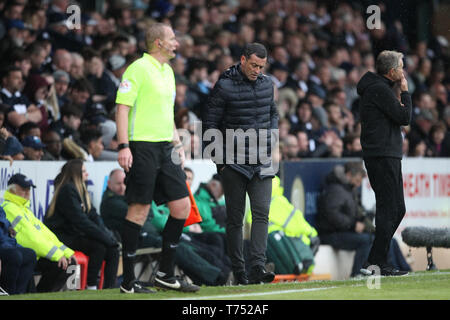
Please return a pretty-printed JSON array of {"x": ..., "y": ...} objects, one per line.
[{"x": 59, "y": 78}]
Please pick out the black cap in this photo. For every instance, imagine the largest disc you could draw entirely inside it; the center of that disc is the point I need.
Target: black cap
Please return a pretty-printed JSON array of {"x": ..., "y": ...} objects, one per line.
[{"x": 21, "y": 180}]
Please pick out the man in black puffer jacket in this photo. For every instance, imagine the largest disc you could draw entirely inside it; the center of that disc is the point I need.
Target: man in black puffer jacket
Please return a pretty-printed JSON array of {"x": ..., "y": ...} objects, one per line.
[
  {"x": 382, "y": 115},
  {"x": 241, "y": 112},
  {"x": 340, "y": 222}
]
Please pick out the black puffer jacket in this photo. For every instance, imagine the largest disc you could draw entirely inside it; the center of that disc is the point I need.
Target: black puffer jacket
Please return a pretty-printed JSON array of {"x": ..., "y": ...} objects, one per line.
[
  {"x": 71, "y": 221},
  {"x": 381, "y": 116},
  {"x": 238, "y": 103},
  {"x": 337, "y": 208}
]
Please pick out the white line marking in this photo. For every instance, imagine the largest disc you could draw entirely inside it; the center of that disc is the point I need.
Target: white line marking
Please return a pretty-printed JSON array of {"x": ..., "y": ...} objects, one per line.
[{"x": 250, "y": 294}]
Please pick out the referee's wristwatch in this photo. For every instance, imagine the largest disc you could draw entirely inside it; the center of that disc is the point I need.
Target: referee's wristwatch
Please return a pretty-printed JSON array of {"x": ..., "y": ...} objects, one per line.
[{"x": 122, "y": 146}]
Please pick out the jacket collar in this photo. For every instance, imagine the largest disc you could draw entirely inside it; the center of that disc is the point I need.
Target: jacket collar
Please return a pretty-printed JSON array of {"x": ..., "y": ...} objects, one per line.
[
  {"x": 16, "y": 199},
  {"x": 389, "y": 82}
]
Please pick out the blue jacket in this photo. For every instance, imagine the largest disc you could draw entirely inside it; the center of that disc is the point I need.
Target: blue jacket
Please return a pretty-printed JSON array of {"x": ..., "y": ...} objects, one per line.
[{"x": 6, "y": 241}]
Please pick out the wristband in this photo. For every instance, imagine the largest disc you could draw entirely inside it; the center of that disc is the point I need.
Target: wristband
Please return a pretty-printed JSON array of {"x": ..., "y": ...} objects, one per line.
[{"x": 122, "y": 146}]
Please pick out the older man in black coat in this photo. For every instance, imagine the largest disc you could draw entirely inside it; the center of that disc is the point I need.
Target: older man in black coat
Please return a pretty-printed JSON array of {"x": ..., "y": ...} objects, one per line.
[
  {"x": 383, "y": 113},
  {"x": 241, "y": 106}
]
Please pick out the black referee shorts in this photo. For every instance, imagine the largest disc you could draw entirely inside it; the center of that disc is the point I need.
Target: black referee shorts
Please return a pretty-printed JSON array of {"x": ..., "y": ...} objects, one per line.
[{"x": 153, "y": 175}]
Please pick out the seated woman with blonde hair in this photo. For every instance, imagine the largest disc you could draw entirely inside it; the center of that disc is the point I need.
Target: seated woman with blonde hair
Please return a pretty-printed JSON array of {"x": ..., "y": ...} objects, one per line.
[{"x": 72, "y": 217}]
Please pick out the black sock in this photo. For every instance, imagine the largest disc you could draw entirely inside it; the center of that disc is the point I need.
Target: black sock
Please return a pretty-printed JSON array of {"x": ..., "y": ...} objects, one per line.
[
  {"x": 130, "y": 239},
  {"x": 171, "y": 237}
]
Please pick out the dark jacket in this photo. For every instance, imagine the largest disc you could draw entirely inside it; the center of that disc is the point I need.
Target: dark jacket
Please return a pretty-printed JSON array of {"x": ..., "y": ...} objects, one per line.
[
  {"x": 70, "y": 219},
  {"x": 381, "y": 116},
  {"x": 113, "y": 209},
  {"x": 337, "y": 207},
  {"x": 6, "y": 241},
  {"x": 238, "y": 103}
]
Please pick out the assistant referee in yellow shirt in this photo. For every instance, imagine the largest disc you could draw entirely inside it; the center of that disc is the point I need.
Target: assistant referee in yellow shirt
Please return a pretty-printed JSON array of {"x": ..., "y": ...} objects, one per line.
[{"x": 147, "y": 138}]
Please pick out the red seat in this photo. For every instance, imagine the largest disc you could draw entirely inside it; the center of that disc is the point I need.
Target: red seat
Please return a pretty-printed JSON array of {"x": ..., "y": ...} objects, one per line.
[{"x": 83, "y": 261}]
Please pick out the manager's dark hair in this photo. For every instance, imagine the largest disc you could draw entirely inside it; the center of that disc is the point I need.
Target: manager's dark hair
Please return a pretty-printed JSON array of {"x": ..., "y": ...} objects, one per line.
[{"x": 254, "y": 48}]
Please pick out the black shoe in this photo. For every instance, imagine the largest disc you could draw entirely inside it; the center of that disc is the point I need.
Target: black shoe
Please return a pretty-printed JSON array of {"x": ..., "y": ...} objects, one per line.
[
  {"x": 384, "y": 270},
  {"x": 259, "y": 275},
  {"x": 175, "y": 283},
  {"x": 390, "y": 271},
  {"x": 135, "y": 287},
  {"x": 365, "y": 270},
  {"x": 240, "y": 278}
]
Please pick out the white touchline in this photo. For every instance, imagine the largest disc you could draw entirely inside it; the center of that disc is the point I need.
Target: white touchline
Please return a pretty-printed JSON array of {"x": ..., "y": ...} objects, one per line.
[{"x": 251, "y": 294}]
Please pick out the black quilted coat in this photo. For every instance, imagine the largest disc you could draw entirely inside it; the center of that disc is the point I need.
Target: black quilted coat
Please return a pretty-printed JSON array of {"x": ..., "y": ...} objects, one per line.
[{"x": 238, "y": 103}]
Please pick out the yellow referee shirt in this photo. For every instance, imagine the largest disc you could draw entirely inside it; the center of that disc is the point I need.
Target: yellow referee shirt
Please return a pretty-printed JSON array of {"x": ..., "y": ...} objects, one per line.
[{"x": 148, "y": 88}]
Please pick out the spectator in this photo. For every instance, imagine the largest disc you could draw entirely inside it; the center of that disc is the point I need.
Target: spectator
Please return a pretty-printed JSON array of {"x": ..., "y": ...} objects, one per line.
[
  {"x": 291, "y": 148},
  {"x": 80, "y": 93},
  {"x": 53, "y": 256},
  {"x": 37, "y": 91},
  {"x": 103, "y": 87},
  {"x": 284, "y": 127},
  {"x": 352, "y": 146},
  {"x": 211, "y": 206},
  {"x": 301, "y": 120},
  {"x": 13, "y": 148},
  {"x": 340, "y": 221},
  {"x": 21, "y": 109},
  {"x": 420, "y": 129},
  {"x": 74, "y": 219},
  {"x": 67, "y": 126},
  {"x": 53, "y": 143},
  {"x": 38, "y": 55},
  {"x": 16, "y": 34},
  {"x": 335, "y": 119},
  {"x": 17, "y": 262},
  {"x": 438, "y": 145},
  {"x": 91, "y": 139},
  {"x": 198, "y": 89},
  {"x": 77, "y": 67},
  {"x": 20, "y": 58},
  {"x": 28, "y": 129},
  {"x": 62, "y": 80},
  {"x": 298, "y": 80},
  {"x": 62, "y": 60},
  {"x": 33, "y": 148},
  {"x": 279, "y": 74},
  {"x": 116, "y": 67},
  {"x": 303, "y": 145}
]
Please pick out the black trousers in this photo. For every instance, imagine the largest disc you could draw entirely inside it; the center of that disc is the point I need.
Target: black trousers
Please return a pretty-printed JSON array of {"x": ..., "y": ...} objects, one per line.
[
  {"x": 97, "y": 252},
  {"x": 385, "y": 176},
  {"x": 236, "y": 186},
  {"x": 53, "y": 277},
  {"x": 360, "y": 242},
  {"x": 17, "y": 269}
]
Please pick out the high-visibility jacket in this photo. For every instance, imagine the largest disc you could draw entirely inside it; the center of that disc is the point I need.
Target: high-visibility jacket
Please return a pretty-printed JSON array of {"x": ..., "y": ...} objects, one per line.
[
  {"x": 30, "y": 231},
  {"x": 283, "y": 216}
]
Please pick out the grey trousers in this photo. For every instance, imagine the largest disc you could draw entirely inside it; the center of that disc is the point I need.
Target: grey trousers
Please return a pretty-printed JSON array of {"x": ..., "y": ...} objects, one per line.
[{"x": 235, "y": 187}]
